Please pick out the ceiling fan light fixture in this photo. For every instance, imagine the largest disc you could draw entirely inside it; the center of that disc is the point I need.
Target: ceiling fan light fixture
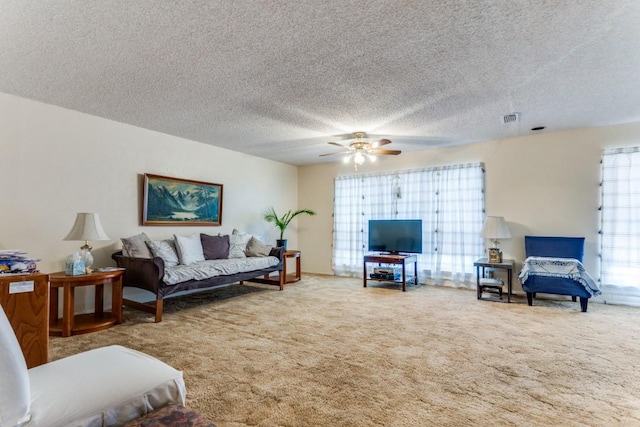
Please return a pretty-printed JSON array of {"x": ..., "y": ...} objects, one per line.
[{"x": 360, "y": 150}]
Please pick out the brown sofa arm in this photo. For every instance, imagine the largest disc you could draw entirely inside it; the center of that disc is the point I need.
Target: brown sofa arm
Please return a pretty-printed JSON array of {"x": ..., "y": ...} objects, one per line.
[
  {"x": 143, "y": 273},
  {"x": 278, "y": 252}
]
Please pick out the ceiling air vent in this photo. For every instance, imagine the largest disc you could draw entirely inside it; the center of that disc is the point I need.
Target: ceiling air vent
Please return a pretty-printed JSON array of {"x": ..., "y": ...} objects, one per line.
[{"x": 510, "y": 118}]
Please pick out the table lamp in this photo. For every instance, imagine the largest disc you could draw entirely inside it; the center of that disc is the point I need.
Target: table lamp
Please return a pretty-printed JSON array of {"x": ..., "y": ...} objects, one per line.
[
  {"x": 495, "y": 228},
  {"x": 87, "y": 227}
]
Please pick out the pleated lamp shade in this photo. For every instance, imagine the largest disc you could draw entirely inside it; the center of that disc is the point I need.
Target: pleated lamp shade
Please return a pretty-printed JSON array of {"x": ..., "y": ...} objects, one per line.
[
  {"x": 495, "y": 228},
  {"x": 87, "y": 227}
]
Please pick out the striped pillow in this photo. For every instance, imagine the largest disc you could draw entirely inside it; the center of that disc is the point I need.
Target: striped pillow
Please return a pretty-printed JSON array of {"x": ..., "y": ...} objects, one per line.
[{"x": 165, "y": 249}]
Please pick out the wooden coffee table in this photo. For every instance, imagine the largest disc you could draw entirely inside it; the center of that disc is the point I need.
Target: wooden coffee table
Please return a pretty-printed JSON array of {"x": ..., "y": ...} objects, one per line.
[{"x": 72, "y": 324}]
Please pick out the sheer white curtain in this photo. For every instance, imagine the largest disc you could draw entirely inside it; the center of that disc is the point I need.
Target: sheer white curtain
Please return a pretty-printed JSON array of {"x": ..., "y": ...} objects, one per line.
[
  {"x": 460, "y": 216},
  {"x": 449, "y": 200},
  {"x": 620, "y": 226},
  {"x": 357, "y": 199}
]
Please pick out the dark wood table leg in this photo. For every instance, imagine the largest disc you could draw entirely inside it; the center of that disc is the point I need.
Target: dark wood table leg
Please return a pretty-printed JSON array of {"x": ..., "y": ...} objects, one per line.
[
  {"x": 509, "y": 284},
  {"x": 364, "y": 276},
  {"x": 67, "y": 310},
  {"x": 284, "y": 268},
  {"x": 116, "y": 299},
  {"x": 404, "y": 277},
  {"x": 99, "y": 301},
  {"x": 298, "y": 265},
  {"x": 53, "y": 305}
]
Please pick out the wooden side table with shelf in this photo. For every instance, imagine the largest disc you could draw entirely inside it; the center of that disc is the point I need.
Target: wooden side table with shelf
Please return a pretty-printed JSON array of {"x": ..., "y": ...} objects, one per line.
[
  {"x": 288, "y": 277},
  {"x": 482, "y": 263},
  {"x": 25, "y": 300},
  {"x": 295, "y": 277},
  {"x": 74, "y": 324},
  {"x": 402, "y": 260}
]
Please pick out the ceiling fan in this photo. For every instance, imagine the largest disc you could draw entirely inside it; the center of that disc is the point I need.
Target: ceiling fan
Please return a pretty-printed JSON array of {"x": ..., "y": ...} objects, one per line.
[{"x": 359, "y": 149}]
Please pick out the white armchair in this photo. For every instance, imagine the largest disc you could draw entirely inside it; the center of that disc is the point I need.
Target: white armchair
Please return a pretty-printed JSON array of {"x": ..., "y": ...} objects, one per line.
[{"x": 103, "y": 387}]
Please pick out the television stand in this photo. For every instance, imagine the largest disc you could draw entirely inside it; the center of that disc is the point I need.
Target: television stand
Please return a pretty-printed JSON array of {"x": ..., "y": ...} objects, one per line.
[{"x": 402, "y": 260}]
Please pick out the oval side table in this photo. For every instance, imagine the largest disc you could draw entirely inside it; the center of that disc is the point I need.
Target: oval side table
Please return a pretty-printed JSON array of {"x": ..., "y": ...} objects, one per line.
[{"x": 74, "y": 324}]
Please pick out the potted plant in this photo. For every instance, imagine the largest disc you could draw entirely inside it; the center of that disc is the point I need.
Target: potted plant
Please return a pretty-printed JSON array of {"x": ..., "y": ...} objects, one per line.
[{"x": 283, "y": 221}]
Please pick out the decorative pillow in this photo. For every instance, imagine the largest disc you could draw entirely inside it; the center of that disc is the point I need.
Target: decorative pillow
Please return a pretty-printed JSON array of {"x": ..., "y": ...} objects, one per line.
[
  {"x": 136, "y": 246},
  {"x": 215, "y": 247},
  {"x": 238, "y": 244},
  {"x": 189, "y": 249},
  {"x": 256, "y": 248},
  {"x": 15, "y": 393},
  {"x": 165, "y": 249}
]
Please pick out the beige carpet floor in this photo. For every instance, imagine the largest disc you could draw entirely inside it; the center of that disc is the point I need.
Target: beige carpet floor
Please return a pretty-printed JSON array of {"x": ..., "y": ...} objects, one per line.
[{"x": 328, "y": 352}]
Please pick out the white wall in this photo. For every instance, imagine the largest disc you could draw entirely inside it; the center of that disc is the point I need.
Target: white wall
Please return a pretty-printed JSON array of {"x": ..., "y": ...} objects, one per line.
[
  {"x": 57, "y": 162},
  {"x": 543, "y": 184}
]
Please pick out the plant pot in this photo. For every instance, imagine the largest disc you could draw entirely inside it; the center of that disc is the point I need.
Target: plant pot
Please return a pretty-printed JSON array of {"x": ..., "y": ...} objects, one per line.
[{"x": 282, "y": 243}]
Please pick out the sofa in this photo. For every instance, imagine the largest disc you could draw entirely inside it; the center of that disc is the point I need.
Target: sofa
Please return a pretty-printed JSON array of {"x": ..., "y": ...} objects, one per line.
[
  {"x": 107, "y": 386},
  {"x": 195, "y": 262}
]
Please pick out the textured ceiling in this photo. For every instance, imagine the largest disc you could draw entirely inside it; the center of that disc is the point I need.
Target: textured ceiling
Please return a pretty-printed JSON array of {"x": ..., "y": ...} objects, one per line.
[{"x": 280, "y": 79}]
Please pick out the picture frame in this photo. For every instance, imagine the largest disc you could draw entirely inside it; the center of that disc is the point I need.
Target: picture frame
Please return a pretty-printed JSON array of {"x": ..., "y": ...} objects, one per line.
[
  {"x": 495, "y": 255},
  {"x": 177, "y": 201}
]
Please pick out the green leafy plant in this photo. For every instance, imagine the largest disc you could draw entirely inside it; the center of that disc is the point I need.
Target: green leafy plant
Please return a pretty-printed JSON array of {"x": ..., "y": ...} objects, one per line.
[{"x": 283, "y": 221}]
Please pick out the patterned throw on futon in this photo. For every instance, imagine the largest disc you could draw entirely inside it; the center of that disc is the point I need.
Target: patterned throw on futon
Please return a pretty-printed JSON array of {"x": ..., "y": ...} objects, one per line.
[{"x": 569, "y": 268}]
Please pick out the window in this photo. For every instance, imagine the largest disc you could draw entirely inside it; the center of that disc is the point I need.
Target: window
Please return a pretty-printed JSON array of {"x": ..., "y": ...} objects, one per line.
[
  {"x": 620, "y": 226},
  {"x": 449, "y": 200}
]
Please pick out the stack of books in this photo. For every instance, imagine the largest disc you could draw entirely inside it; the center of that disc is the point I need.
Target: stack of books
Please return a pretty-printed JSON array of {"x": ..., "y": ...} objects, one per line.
[{"x": 13, "y": 261}]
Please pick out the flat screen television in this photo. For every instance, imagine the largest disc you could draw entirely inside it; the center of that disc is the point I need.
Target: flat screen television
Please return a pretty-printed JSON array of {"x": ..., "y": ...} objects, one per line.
[{"x": 395, "y": 235}]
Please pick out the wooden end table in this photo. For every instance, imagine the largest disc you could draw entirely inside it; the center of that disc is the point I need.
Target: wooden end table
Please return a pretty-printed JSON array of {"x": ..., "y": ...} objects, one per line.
[
  {"x": 507, "y": 264},
  {"x": 72, "y": 324},
  {"x": 288, "y": 278},
  {"x": 291, "y": 278}
]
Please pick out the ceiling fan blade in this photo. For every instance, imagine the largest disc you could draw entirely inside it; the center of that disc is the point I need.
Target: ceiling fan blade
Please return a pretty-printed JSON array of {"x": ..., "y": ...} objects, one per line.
[
  {"x": 333, "y": 154},
  {"x": 336, "y": 143},
  {"x": 381, "y": 143},
  {"x": 392, "y": 152}
]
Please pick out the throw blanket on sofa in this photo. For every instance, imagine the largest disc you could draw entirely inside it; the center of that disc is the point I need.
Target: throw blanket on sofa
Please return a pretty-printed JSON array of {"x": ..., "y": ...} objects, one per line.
[
  {"x": 568, "y": 268},
  {"x": 216, "y": 267}
]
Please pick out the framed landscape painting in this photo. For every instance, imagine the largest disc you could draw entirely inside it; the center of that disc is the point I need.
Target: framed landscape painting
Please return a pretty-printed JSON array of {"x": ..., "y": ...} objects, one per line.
[{"x": 174, "y": 201}]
